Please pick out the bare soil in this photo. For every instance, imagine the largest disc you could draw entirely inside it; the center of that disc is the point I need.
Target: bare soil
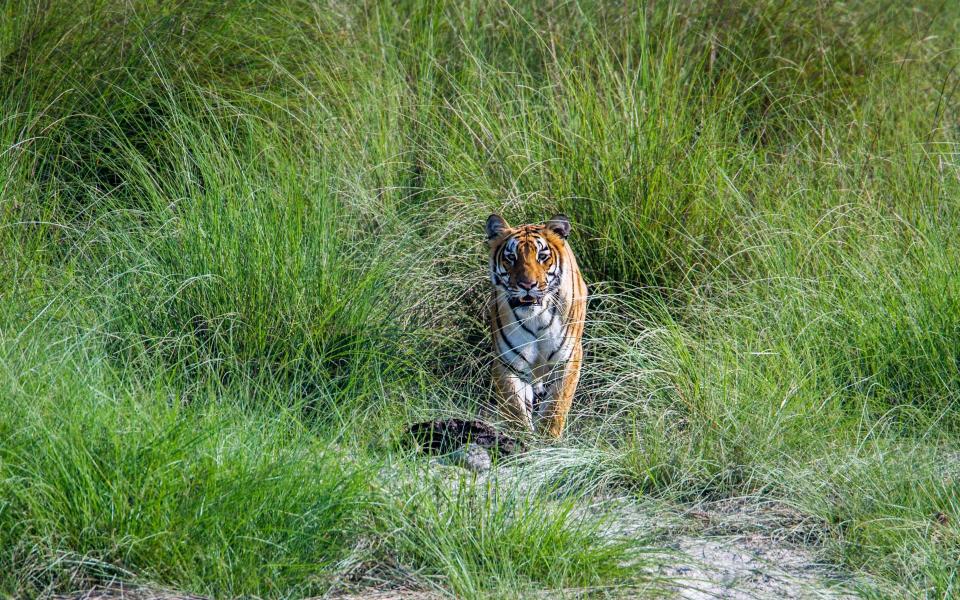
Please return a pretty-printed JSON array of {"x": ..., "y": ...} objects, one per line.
[{"x": 744, "y": 548}]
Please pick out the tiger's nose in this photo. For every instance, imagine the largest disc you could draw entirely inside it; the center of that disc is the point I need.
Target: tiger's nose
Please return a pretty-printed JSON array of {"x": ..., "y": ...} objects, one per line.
[{"x": 526, "y": 284}]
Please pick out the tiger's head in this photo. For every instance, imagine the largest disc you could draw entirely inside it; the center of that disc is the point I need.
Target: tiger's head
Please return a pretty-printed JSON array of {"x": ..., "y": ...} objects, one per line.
[{"x": 526, "y": 262}]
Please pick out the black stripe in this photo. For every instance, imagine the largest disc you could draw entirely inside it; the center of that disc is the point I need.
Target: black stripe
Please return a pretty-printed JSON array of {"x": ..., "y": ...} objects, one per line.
[
  {"x": 561, "y": 305},
  {"x": 563, "y": 342},
  {"x": 500, "y": 252},
  {"x": 503, "y": 336},
  {"x": 557, "y": 349},
  {"x": 523, "y": 375},
  {"x": 521, "y": 323},
  {"x": 497, "y": 263},
  {"x": 557, "y": 280},
  {"x": 553, "y": 316}
]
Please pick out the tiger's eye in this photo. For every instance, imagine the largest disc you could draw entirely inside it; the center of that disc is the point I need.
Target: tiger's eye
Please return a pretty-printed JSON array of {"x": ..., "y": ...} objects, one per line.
[{"x": 543, "y": 256}]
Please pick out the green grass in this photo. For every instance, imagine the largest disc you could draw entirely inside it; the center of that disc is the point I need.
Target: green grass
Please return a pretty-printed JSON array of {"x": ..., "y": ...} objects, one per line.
[
  {"x": 241, "y": 246},
  {"x": 497, "y": 538}
]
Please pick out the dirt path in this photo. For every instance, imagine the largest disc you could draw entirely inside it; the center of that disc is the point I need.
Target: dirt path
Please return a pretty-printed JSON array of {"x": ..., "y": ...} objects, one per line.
[
  {"x": 739, "y": 549},
  {"x": 741, "y": 568}
]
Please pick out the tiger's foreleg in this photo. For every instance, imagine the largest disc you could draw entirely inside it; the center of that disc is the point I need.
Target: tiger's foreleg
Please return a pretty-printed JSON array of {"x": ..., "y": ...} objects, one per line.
[
  {"x": 559, "y": 394},
  {"x": 516, "y": 396}
]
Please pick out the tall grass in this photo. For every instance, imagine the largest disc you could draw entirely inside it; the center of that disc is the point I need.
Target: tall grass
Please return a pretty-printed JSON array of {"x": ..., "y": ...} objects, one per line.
[{"x": 241, "y": 248}]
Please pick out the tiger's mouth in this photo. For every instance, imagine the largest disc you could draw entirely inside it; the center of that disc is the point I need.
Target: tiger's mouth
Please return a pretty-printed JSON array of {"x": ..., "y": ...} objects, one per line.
[{"x": 526, "y": 300}]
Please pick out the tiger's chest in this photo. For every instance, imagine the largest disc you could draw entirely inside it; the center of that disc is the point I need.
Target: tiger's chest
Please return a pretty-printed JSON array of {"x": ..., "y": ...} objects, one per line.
[{"x": 531, "y": 339}]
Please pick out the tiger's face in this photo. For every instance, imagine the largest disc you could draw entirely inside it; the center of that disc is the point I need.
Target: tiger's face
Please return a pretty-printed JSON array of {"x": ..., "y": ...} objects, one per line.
[{"x": 526, "y": 261}]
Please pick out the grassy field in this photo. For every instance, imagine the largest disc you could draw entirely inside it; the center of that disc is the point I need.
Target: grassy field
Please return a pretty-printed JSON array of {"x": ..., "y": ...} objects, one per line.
[{"x": 241, "y": 246}]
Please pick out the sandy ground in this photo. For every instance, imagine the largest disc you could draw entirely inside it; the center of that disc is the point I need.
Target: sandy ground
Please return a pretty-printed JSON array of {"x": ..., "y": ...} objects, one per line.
[
  {"x": 744, "y": 549},
  {"x": 742, "y": 568}
]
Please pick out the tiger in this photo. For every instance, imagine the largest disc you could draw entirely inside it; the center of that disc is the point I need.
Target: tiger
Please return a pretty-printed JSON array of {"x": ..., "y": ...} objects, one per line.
[{"x": 537, "y": 313}]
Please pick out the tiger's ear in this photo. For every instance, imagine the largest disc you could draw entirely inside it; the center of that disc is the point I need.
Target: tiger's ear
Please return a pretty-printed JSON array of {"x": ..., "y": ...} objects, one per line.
[
  {"x": 560, "y": 225},
  {"x": 495, "y": 226}
]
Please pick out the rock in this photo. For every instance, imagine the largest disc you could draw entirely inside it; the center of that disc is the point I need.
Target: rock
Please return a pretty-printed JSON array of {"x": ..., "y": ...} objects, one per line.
[{"x": 470, "y": 456}]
